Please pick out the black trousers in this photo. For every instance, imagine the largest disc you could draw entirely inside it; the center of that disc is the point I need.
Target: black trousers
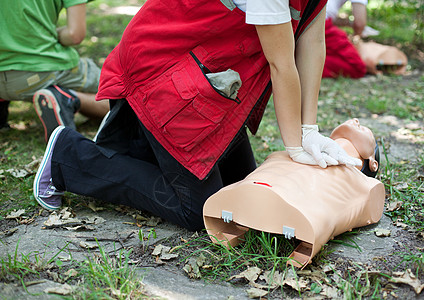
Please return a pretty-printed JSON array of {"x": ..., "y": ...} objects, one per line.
[{"x": 128, "y": 166}]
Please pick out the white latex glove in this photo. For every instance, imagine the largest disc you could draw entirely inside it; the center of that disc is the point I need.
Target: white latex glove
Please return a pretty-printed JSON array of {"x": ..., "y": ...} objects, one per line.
[
  {"x": 298, "y": 154},
  {"x": 325, "y": 150}
]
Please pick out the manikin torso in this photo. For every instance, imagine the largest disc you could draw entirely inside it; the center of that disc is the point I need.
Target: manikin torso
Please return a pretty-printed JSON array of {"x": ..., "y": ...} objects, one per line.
[{"x": 306, "y": 202}]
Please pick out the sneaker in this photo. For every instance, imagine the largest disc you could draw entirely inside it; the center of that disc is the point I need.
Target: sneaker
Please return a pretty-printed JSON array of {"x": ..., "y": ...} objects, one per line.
[
  {"x": 4, "y": 113},
  {"x": 44, "y": 191},
  {"x": 55, "y": 106}
]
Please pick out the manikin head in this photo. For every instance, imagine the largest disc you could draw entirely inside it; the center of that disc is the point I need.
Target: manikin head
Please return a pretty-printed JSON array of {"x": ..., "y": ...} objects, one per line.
[{"x": 358, "y": 141}]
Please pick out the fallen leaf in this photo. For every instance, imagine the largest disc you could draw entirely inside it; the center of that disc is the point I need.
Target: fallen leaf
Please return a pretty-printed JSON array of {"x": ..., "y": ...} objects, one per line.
[
  {"x": 71, "y": 273},
  {"x": 80, "y": 228},
  {"x": 9, "y": 232},
  {"x": 256, "y": 293},
  {"x": 64, "y": 258},
  {"x": 87, "y": 245},
  {"x": 168, "y": 256},
  {"x": 381, "y": 232},
  {"x": 400, "y": 224},
  {"x": 328, "y": 268},
  {"x": 54, "y": 276},
  {"x": 18, "y": 173},
  {"x": 92, "y": 205},
  {"x": 116, "y": 293},
  {"x": 192, "y": 269},
  {"x": 392, "y": 206},
  {"x": 408, "y": 278},
  {"x": 163, "y": 252},
  {"x": 65, "y": 289},
  {"x": 94, "y": 220},
  {"x": 65, "y": 213},
  {"x": 251, "y": 274},
  {"x": 297, "y": 283},
  {"x": 316, "y": 275},
  {"x": 130, "y": 223},
  {"x": 153, "y": 221},
  {"x": 401, "y": 186},
  {"x": 63, "y": 218},
  {"x": 330, "y": 292},
  {"x": 201, "y": 260},
  {"x": 15, "y": 214},
  {"x": 157, "y": 250},
  {"x": 273, "y": 279},
  {"x": 33, "y": 166}
]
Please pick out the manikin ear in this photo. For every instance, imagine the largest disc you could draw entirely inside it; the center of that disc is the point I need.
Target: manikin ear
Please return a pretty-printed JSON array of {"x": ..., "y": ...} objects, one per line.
[{"x": 373, "y": 164}]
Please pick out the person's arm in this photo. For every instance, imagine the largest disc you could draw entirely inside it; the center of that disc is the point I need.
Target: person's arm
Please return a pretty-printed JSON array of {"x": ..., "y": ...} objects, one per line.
[
  {"x": 74, "y": 31},
  {"x": 359, "y": 11},
  {"x": 296, "y": 77},
  {"x": 277, "y": 42},
  {"x": 310, "y": 57}
]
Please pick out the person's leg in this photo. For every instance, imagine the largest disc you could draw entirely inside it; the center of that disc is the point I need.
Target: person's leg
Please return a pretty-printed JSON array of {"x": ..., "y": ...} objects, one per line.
[
  {"x": 83, "y": 80},
  {"x": 167, "y": 190},
  {"x": 55, "y": 106},
  {"x": 90, "y": 107},
  {"x": 4, "y": 113}
]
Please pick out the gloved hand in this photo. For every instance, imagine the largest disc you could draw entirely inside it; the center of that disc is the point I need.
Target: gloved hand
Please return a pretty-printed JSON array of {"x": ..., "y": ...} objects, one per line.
[
  {"x": 325, "y": 150},
  {"x": 298, "y": 154}
]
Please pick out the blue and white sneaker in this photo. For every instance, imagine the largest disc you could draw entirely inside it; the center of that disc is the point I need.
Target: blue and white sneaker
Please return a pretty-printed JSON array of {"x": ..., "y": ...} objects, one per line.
[{"x": 44, "y": 191}]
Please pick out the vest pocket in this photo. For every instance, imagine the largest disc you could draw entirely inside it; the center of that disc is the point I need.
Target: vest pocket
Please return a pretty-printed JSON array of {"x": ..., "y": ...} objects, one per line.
[{"x": 184, "y": 106}]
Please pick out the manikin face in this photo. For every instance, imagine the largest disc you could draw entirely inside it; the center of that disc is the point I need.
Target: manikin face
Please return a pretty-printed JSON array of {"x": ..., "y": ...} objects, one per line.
[{"x": 360, "y": 136}]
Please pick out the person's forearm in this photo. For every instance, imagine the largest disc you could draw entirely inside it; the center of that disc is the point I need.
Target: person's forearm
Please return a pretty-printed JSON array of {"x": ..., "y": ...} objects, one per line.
[
  {"x": 286, "y": 95},
  {"x": 310, "y": 56},
  {"x": 278, "y": 44},
  {"x": 359, "y": 12},
  {"x": 74, "y": 31},
  {"x": 342, "y": 22}
]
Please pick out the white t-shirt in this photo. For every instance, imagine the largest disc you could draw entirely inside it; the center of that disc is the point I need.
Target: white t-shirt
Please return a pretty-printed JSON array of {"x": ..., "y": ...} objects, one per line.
[
  {"x": 265, "y": 12},
  {"x": 333, "y": 7}
]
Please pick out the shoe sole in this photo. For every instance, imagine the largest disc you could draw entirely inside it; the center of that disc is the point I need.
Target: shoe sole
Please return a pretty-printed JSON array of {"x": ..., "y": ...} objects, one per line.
[
  {"x": 35, "y": 186},
  {"x": 48, "y": 111}
]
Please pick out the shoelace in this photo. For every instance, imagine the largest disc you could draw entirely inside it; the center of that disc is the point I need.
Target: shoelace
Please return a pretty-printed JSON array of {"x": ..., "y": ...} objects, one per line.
[{"x": 52, "y": 191}]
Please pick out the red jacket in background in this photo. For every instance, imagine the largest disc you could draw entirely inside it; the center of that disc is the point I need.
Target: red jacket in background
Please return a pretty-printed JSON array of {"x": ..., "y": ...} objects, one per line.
[
  {"x": 160, "y": 64},
  {"x": 342, "y": 58}
]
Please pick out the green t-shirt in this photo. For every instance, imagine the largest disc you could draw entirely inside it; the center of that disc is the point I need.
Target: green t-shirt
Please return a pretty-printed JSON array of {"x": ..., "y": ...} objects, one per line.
[{"x": 28, "y": 37}]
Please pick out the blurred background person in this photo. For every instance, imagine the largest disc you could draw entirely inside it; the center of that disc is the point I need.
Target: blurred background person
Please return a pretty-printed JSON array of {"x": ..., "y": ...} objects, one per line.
[{"x": 37, "y": 62}]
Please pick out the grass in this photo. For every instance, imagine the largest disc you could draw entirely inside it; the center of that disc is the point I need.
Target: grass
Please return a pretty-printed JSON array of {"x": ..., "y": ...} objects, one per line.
[
  {"x": 414, "y": 259},
  {"x": 15, "y": 268},
  {"x": 101, "y": 276},
  {"x": 106, "y": 277},
  {"x": 264, "y": 250},
  {"x": 24, "y": 267},
  {"x": 409, "y": 193},
  {"x": 112, "y": 277}
]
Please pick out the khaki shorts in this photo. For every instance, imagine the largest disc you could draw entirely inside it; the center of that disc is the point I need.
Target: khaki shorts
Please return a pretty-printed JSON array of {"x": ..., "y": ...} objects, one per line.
[{"x": 21, "y": 85}]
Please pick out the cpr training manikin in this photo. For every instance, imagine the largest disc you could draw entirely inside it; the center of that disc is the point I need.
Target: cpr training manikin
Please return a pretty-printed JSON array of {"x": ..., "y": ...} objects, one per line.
[{"x": 300, "y": 201}]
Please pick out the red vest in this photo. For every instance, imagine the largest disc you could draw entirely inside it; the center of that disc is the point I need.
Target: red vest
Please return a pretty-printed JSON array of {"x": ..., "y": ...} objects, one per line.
[{"x": 160, "y": 64}]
